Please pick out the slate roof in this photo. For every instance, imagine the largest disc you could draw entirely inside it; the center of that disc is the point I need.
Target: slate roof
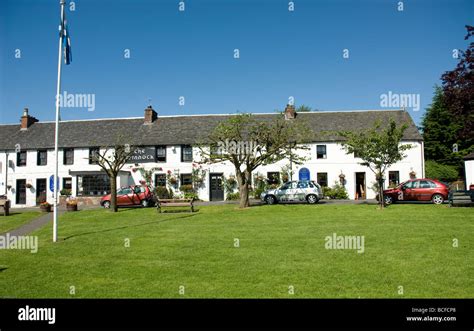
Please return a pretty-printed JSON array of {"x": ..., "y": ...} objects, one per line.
[{"x": 176, "y": 130}]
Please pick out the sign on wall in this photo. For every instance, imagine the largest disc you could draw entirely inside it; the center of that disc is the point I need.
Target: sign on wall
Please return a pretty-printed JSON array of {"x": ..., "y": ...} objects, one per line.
[
  {"x": 303, "y": 174},
  {"x": 143, "y": 155},
  {"x": 51, "y": 183}
]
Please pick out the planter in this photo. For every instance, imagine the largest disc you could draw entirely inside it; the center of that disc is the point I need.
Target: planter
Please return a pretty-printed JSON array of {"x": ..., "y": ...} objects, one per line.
[
  {"x": 71, "y": 207},
  {"x": 45, "y": 209}
]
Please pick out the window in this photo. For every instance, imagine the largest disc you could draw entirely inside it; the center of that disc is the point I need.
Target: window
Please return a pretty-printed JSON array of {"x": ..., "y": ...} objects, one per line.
[
  {"x": 321, "y": 151},
  {"x": 67, "y": 183},
  {"x": 42, "y": 158},
  {"x": 289, "y": 185},
  {"x": 21, "y": 159},
  {"x": 160, "y": 180},
  {"x": 93, "y": 153},
  {"x": 186, "y": 153},
  {"x": 427, "y": 184},
  {"x": 93, "y": 184},
  {"x": 303, "y": 184},
  {"x": 186, "y": 179},
  {"x": 68, "y": 156},
  {"x": 160, "y": 153},
  {"x": 322, "y": 178},
  {"x": 273, "y": 178},
  {"x": 124, "y": 191},
  {"x": 393, "y": 177}
]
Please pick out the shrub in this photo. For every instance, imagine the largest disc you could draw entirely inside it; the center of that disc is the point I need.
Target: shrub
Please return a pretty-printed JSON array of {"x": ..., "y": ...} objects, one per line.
[
  {"x": 233, "y": 196},
  {"x": 162, "y": 192},
  {"x": 65, "y": 191},
  {"x": 186, "y": 188},
  {"x": 337, "y": 191},
  {"x": 441, "y": 172},
  {"x": 190, "y": 195}
]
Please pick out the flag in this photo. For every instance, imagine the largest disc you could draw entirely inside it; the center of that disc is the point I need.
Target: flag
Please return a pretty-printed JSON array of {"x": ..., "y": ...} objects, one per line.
[{"x": 66, "y": 42}]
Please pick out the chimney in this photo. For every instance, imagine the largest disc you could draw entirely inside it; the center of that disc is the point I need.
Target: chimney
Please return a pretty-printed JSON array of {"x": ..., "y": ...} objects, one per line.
[
  {"x": 150, "y": 115},
  {"x": 290, "y": 112},
  {"x": 27, "y": 120}
]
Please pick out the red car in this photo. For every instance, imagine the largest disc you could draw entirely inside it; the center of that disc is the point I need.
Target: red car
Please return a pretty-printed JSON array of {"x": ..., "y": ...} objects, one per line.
[
  {"x": 130, "y": 196},
  {"x": 423, "y": 189}
]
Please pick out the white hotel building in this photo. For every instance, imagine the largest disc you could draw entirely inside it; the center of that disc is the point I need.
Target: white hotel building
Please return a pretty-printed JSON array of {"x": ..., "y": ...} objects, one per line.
[{"x": 27, "y": 153}]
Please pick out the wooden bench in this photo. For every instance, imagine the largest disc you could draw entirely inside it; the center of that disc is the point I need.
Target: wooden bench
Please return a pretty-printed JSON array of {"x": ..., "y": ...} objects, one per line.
[
  {"x": 5, "y": 204},
  {"x": 461, "y": 198},
  {"x": 174, "y": 203}
]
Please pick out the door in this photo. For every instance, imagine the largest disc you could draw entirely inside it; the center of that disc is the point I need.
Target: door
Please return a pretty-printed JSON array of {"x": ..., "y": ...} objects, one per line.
[
  {"x": 21, "y": 191},
  {"x": 125, "y": 197},
  {"x": 408, "y": 192},
  {"x": 426, "y": 190},
  {"x": 41, "y": 187},
  {"x": 360, "y": 190},
  {"x": 287, "y": 192},
  {"x": 216, "y": 188}
]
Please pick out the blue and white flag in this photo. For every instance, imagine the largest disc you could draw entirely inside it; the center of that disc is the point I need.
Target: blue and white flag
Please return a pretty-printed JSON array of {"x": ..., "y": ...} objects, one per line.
[{"x": 66, "y": 42}]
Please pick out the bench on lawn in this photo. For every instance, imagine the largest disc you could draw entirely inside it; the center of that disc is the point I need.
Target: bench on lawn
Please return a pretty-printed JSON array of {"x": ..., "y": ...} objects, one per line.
[
  {"x": 461, "y": 198},
  {"x": 174, "y": 203},
  {"x": 5, "y": 204}
]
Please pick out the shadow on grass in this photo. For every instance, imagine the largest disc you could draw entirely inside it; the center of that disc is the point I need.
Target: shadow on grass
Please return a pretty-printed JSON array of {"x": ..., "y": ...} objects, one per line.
[
  {"x": 10, "y": 214},
  {"x": 126, "y": 227}
]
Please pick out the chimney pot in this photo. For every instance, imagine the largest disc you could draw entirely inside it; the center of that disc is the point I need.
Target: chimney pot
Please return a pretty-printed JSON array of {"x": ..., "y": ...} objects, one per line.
[
  {"x": 27, "y": 120},
  {"x": 150, "y": 115},
  {"x": 290, "y": 112}
]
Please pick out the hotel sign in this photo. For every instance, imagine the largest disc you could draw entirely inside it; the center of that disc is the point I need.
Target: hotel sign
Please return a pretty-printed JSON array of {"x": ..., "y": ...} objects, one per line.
[{"x": 143, "y": 155}]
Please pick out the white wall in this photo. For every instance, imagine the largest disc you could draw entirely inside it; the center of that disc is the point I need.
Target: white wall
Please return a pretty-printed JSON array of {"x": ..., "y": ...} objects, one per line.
[
  {"x": 337, "y": 161},
  {"x": 469, "y": 169}
]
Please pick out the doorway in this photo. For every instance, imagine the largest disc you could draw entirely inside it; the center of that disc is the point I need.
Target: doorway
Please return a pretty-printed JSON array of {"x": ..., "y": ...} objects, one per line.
[
  {"x": 40, "y": 190},
  {"x": 360, "y": 189},
  {"x": 21, "y": 191},
  {"x": 216, "y": 188}
]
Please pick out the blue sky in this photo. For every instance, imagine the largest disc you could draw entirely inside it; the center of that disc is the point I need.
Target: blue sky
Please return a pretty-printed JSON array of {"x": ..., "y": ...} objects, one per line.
[{"x": 191, "y": 54}]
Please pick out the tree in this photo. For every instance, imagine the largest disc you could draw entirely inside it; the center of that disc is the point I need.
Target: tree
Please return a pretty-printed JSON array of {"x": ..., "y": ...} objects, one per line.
[
  {"x": 378, "y": 147},
  {"x": 439, "y": 130},
  {"x": 458, "y": 88},
  {"x": 303, "y": 109},
  {"x": 112, "y": 159},
  {"x": 248, "y": 143}
]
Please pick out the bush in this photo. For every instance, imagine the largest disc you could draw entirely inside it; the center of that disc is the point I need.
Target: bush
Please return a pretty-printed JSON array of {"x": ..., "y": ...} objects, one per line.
[
  {"x": 162, "y": 192},
  {"x": 190, "y": 195},
  {"x": 337, "y": 191},
  {"x": 233, "y": 196},
  {"x": 441, "y": 172},
  {"x": 65, "y": 191}
]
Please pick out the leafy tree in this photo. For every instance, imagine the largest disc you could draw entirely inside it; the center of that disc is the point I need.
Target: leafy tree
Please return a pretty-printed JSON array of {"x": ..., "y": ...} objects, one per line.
[
  {"x": 439, "y": 130},
  {"x": 248, "y": 143},
  {"x": 112, "y": 159},
  {"x": 378, "y": 147},
  {"x": 303, "y": 109},
  {"x": 458, "y": 88},
  {"x": 442, "y": 172}
]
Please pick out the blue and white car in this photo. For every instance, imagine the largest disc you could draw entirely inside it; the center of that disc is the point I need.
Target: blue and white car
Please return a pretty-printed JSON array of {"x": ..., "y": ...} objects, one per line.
[{"x": 294, "y": 191}]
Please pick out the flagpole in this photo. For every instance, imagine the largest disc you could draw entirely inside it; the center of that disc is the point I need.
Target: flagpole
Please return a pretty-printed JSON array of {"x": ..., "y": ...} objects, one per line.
[{"x": 56, "y": 133}]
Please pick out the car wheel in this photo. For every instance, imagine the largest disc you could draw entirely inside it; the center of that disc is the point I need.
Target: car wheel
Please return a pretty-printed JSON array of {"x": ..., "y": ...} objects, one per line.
[
  {"x": 106, "y": 204},
  {"x": 144, "y": 203},
  {"x": 387, "y": 199},
  {"x": 437, "y": 199},
  {"x": 270, "y": 200},
  {"x": 312, "y": 199}
]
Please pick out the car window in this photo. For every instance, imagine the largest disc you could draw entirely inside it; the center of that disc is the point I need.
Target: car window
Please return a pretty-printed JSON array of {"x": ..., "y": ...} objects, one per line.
[
  {"x": 286, "y": 186},
  {"x": 432, "y": 184},
  {"x": 416, "y": 184},
  {"x": 425, "y": 184},
  {"x": 302, "y": 185},
  {"x": 408, "y": 185},
  {"x": 126, "y": 191},
  {"x": 139, "y": 189}
]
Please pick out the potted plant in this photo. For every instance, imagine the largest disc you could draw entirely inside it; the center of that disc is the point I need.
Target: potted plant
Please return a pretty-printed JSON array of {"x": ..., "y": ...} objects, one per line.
[
  {"x": 45, "y": 207},
  {"x": 71, "y": 204},
  {"x": 28, "y": 185},
  {"x": 65, "y": 191},
  {"x": 412, "y": 174}
]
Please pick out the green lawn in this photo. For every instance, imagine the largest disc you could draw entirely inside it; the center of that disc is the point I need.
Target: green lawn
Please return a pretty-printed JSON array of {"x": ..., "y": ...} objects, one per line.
[
  {"x": 16, "y": 219},
  {"x": 280, "y": 246}
]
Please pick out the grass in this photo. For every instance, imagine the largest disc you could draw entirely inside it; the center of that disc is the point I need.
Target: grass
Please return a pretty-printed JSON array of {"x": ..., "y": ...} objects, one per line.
[
  {"x": 16, "y": 219},
  {"x": 280, "y": 246}
]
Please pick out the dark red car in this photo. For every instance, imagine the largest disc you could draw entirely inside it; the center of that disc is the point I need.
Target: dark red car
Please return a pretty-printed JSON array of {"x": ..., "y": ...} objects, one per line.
[
  {"x": 130, "y": 196},
  {"x": 423, "y": 189}
]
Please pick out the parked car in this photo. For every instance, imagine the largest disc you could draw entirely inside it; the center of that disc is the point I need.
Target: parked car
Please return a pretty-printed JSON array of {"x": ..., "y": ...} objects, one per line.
[
  {"x": 130, "y": 196},
  {"x": 297, "y": 191},
  {"x": 423, "y": 189}
]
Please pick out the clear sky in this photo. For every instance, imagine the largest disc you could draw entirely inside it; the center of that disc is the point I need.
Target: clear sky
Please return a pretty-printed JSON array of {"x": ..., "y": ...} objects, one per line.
[{"x": 282, "y": 53}]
